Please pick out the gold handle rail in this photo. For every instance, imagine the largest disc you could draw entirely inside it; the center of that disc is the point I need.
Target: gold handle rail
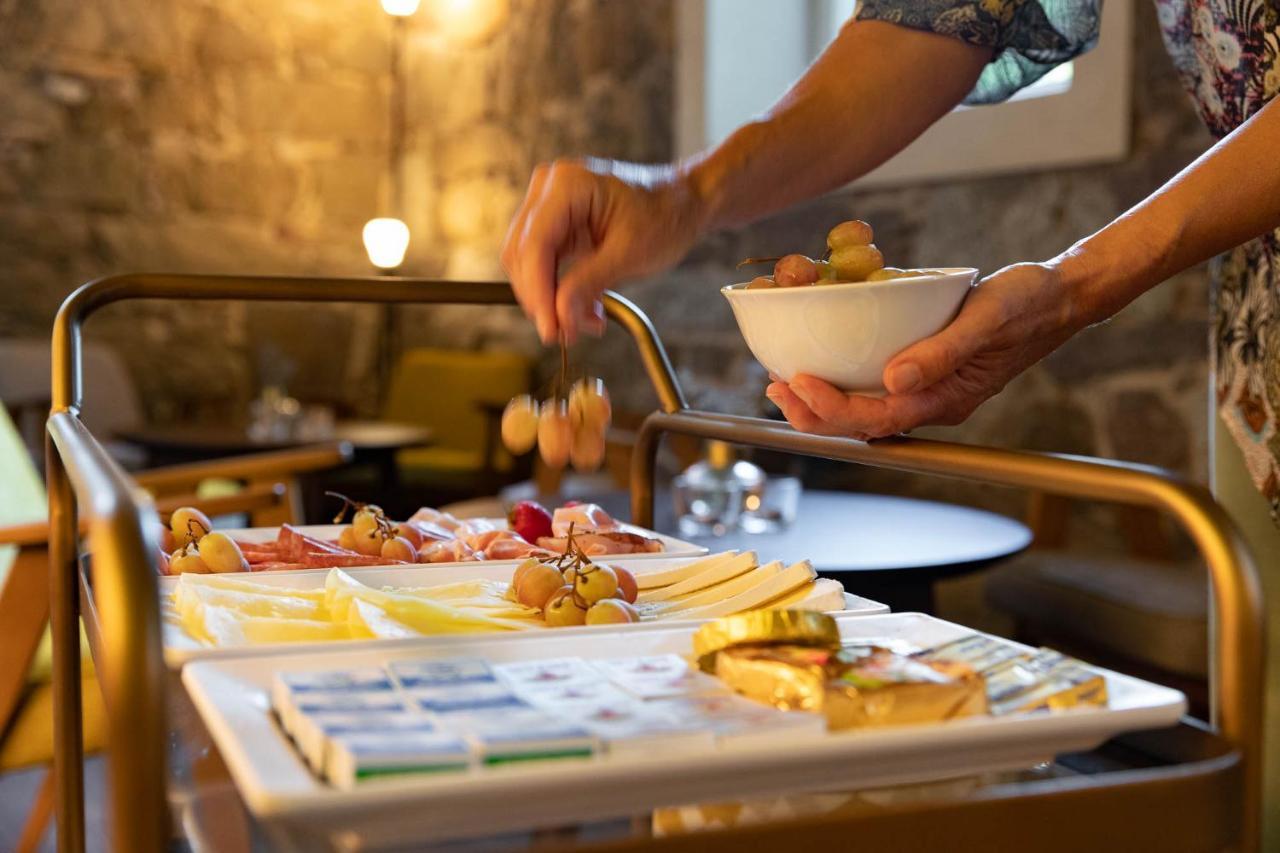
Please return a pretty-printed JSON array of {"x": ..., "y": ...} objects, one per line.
[{"x": 1237, "y": 626}]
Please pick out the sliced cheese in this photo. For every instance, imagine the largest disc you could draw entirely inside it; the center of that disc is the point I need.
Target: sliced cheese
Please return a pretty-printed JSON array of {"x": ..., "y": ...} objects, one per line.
[
  {"x": 666, "y": 577},
  {"x": 823, "y": 594},
  {"x": 718, "y": 573},
  {"x": 720, "y": 591},
  {"x": 794, "y": 577}
]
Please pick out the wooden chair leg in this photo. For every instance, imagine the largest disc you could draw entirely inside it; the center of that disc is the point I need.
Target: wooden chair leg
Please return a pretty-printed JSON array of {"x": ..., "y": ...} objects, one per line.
[{"x": 38, "y": 818}]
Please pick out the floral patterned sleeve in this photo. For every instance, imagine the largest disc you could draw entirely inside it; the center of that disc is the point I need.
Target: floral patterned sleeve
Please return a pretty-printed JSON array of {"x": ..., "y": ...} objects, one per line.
[{"x": 1031, "y": 37}]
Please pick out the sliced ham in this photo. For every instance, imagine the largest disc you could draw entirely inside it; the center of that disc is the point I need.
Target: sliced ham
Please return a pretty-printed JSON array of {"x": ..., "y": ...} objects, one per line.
[
  {"x": 584, "y": 518},
  {"x": 602, "y": 543},
  {"x": 436, "y": 517},
  {"x": 429, "y": 530},
  {"x": 327, "y": 560},
  {"x": 514, "y": 549},
  {"x": 449, "y": 551}
]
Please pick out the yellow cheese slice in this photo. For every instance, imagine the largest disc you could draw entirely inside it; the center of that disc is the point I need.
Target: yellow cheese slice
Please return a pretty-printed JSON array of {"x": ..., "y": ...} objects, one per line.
[
  {"x": 720, "y": 572},
  {"x": 790, "y": 579},
  {"x": 666, "y": 577}
]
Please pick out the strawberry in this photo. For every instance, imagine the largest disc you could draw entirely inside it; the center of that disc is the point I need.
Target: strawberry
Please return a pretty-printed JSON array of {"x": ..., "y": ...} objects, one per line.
[{"x": 530, "y": 520}]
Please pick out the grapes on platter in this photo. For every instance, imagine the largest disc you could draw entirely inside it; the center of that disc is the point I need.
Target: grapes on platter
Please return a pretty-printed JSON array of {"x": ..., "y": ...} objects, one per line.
[
  {"x": 221, "y": 554},
  {"x": 563, "y": 609},
  {"x": 595, "y": 582},
  {"x": 188, "y": 560},
  {"x": 612, "y": 611},
  {"x": 347, "y": 538},
  {"x": 628, "y": 590},
  {"x": 535, "y": 587},
  {"x": 188, "y": 524},
  {"x": 762, "y": 282},
  {"x": 520, "y": 424},
  {"x": 399, "y": 548}
]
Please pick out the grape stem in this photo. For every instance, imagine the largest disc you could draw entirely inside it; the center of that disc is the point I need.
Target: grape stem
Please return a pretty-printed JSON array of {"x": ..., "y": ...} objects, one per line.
[{"x": 749, "y": 261}]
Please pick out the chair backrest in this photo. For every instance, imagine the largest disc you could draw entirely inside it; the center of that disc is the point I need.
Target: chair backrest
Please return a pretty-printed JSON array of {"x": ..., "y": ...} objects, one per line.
[
  {"x": 22, "y": 496},
  {"x": 445, "y": 389},
  {"x": 111, "y": 401}
]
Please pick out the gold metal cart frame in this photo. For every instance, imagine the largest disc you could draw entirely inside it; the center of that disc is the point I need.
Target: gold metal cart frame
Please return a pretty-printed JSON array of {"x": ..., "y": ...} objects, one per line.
[{"x": 1191, "y": 789}]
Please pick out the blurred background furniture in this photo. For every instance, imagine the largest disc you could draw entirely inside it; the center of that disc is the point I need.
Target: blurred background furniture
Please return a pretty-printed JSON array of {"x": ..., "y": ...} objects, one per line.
[
  {"x": 1144, "y": 613},
  {"x": 459, "y": 395},
  {"x": 262, "y": 486},
  {"x": 110, "y": 395}
]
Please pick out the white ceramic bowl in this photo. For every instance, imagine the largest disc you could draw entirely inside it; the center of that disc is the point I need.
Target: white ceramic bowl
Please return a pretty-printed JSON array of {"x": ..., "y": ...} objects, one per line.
[{"x": 845, "y": 333}]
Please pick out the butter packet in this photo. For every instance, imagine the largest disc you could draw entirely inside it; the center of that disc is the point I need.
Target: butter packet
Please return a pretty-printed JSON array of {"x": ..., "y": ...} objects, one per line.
[
  {"x": 287, "y": 686},
  {"x": 1046, "y": 680},
  {"x": 314, "y": 731},
  {"x": 441, "y": 673},
  {"x": 357, "y": 757}
]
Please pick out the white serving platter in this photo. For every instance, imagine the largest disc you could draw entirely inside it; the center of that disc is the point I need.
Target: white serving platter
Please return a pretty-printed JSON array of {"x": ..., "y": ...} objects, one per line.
[
  {"x": 180, "y": 647},
  {"x": 232, "y": 698},
  {"x": 671, "y": 546}
]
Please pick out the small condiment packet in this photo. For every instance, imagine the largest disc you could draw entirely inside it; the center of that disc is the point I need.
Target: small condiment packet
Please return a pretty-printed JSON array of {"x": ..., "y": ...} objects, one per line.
[
  {"x": 355, "y": 757},
  {"x": 285, "y": 686},
  {"x": 441, "y": 673},
  {"x": 981, "y": 652},
  {"x": 646, "y": 666},
  {"x": 557, "y": 671},
  {"x": 465, "y": 696},
  {"x": 737, "y": 720},
  {"x": 503, "y": 735},
  {"x": 629, "y": 727},
  {"x": 313, "y": 731},
  {"x": 687, "y": 683},
  {"x": 364, "y": 702},
  {"x": 561, "y": 695}
]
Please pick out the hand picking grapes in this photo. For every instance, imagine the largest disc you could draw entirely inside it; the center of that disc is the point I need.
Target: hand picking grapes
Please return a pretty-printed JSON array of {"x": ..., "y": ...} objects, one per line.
[{"x": 567, "y": 428}]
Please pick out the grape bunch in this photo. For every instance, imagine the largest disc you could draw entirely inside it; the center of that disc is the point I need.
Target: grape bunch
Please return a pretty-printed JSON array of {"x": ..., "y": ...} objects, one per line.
[
  {"x": 371, "y": 533},
  {"x": 566, "y": 428},
  {"x": 197, "y": 548},
  {"x": 573, "y": 590},
  {"x": 851, "y": 256}
]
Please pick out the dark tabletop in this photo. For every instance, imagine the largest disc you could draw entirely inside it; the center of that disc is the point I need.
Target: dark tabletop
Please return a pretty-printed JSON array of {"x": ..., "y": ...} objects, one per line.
[{"x": 233, "y": 439}]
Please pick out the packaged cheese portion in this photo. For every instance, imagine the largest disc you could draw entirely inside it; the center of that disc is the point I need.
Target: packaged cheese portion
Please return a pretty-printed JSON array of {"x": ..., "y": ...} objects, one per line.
[
  {"x": 473, "y": 696},
  {"x": 977, "y": 650},
  {"x": 658, "y": 677},
  {"x": 287, "y": 686},
  {"x": 513, "y": 734},
  {"x": 356, "y": 757},
  {"x": 1047, "y": 680},
  {"x": 554, "y": 671},
  {"x": 734, "y": 720},
  {"x": 440, "y": 673},
  {"x": 313, "y": 732},
  {"x": 625, "y": 726}
]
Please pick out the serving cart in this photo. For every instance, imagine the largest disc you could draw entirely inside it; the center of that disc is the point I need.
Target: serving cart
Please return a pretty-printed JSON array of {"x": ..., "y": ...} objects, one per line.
[{"x": 1195, "y": 786}]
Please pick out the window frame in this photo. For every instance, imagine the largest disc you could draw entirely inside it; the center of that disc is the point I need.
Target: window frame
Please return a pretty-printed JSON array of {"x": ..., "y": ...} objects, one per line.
[{"x": 1087, "y": 124}]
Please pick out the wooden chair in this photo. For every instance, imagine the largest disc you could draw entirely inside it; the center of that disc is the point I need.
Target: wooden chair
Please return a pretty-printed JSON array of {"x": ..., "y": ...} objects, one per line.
[{"x": 268, "y": 493}]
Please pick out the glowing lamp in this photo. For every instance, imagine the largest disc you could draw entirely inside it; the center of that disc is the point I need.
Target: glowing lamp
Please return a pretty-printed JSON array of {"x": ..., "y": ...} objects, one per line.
[
  {"x": 400, "y": 8},
  {"x": 385, "y": 241}
]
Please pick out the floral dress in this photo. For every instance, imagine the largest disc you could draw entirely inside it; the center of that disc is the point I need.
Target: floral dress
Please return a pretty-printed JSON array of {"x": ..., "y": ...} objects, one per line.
[{"x": 1227, "y": 53}]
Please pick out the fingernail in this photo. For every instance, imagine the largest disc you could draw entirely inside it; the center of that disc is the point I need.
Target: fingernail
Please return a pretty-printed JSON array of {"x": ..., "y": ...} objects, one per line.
[
  {"x": 544, "y": 332},
  {"x": 905, "y": 378}
]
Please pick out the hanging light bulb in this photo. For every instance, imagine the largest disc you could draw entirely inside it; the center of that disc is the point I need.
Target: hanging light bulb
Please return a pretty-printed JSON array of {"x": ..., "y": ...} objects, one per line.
[
  {"x": 400, "y": 8},
  {"x": 385, "y": 241}
]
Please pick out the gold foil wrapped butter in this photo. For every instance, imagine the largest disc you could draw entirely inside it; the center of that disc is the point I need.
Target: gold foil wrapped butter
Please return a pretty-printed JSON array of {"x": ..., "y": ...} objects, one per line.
[
  {"x": 764, "y": 627},
  {"x": 853, "y": 689}
]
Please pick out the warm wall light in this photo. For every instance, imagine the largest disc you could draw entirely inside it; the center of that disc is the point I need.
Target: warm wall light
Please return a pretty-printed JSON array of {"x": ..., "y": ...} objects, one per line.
[
  {"x": 400, "y": 8},
  {"x": 386, "y": 240},
  {"x": 467, "y": 21}
]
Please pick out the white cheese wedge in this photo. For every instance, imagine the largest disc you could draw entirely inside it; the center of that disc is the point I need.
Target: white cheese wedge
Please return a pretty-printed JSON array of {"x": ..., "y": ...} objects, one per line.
[
  {"x": 719, "y": 573},
  {"x": 823, "y": 594},
  {"x": 794, "y": 577},
  {"x": 666, "y": 577},
  {"x": 719, "y": 592}
]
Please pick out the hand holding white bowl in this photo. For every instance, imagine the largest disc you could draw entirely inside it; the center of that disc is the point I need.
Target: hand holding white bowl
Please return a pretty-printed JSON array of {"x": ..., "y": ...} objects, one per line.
[{"x": 1010, "y": 321}]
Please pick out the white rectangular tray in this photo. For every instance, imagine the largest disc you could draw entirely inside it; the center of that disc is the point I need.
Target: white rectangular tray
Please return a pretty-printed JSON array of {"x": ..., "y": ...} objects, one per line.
[
  {"x": 672, "y": 547},
  {"x": 180, "y": 647},
  {"x": 232, "y": 697}
]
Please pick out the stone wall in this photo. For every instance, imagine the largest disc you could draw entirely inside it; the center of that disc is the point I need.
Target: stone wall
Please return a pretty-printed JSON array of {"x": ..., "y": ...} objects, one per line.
[{"x": 241, "y": 136}]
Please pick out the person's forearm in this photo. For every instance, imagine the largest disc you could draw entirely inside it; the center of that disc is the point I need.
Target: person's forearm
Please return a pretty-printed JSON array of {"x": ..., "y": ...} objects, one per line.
[
  {"x": 1228, "y": 196},
  {"x": 874, "y": 90}
]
